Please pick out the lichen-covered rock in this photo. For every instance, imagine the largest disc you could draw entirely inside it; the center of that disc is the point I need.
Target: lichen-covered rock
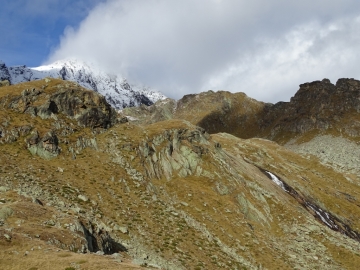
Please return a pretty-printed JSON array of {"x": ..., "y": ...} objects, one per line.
[
  {"x": 180, "y": 153},
  {"x": 5, "y": 212},
  {"x": 249, "y": 210},
  {"x": 46, "y": 147},
  {"x": 11, "y": 134}
]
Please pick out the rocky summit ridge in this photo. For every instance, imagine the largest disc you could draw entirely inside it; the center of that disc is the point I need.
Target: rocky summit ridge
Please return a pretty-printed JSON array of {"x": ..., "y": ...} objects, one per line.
[
  {"x": 319, "y": 105},
  {"x": 177, "y": 186},
  {"x": 118, "y": 92}
]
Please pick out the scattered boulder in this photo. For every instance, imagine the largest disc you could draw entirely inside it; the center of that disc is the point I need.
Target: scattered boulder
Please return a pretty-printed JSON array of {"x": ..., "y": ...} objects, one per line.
[
  {"x": 122, "y": 229},
  {"x": 83, "y": 198},
  {"x": 5, "y": 212},
  {"x": 4, "y": 83},
  {"x": 4, "y": 189}
]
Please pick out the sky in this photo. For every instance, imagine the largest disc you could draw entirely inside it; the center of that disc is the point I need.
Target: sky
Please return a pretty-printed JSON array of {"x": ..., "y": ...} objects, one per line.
[{"x": 265, "y": 48}]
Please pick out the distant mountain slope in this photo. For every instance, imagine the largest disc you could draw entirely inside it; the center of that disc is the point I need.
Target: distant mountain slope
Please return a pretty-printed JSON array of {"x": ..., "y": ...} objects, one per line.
[
  {"x": 117, "y": 91},
  {"x": 317, "y": 106},
  {"x": 221, "y": 111}
]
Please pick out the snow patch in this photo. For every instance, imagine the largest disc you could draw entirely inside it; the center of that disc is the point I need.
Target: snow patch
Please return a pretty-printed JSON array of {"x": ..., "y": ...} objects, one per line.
[
  {"x": 131, "y": 118},
  {"x": 323, "y": 215},
  {"x": 277, "y": 181}
]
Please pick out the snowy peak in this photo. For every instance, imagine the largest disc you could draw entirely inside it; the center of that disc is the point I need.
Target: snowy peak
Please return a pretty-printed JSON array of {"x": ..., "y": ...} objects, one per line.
[{"x": 116, "y": 89}]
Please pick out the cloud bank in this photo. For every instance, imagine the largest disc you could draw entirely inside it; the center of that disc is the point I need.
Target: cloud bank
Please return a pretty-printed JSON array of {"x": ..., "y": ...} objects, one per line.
[{"x": 264, "y": 48}]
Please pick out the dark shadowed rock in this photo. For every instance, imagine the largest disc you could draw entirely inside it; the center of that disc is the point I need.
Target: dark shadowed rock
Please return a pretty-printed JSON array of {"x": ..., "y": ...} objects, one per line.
[
  {"x": 88, "y": 107},
  {"x": 317, "y": 105}
]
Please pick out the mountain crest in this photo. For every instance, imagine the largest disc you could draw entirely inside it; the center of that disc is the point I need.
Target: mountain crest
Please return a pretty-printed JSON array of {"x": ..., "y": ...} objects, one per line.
[{"x": 116, "y": 89}]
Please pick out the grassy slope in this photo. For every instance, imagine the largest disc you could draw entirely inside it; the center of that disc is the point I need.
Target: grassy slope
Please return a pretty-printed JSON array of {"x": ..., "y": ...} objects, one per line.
[{"x": 195, "y": 221}]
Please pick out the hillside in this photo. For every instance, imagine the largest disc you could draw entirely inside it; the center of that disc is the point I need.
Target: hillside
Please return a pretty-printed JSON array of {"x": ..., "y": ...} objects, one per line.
[
  {"x": 82, "y": 186},
  {"x": 220, "y": 111}
]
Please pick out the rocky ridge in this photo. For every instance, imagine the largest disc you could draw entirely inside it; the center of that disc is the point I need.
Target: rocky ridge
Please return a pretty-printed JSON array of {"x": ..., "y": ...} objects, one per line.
[{"x": 319, "y": 105}]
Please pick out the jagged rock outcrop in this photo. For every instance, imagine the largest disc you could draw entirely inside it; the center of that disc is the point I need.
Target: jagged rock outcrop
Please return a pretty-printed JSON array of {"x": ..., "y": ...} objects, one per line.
[
  {"x": 177, "y": 151},
  {"x": 317, "y": 105},
  {"x": 97, "y": 239},
  {"x": 87, "y": 107}
]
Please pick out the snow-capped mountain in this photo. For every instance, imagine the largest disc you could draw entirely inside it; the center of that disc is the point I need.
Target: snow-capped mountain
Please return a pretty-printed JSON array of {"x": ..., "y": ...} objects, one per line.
[{"x": 117, "y": 91}]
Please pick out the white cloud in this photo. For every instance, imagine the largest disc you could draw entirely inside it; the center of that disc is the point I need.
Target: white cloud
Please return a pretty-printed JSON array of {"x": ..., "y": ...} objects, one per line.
[
  {"x": 310, "y": 52},
  {"x": 262, "y": 48}
]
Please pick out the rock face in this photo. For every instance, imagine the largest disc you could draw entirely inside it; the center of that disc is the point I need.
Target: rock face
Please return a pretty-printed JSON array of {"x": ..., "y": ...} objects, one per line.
[
  {"x": 317, "y": 105},
  {"x": 98, "y": 239},
  {"x": 88, "y": 108},
  {"x": 181, "y": 155}
]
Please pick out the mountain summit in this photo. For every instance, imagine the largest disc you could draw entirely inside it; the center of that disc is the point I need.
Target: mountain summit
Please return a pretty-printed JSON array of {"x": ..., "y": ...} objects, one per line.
[{"x": 116, "y": 89}]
